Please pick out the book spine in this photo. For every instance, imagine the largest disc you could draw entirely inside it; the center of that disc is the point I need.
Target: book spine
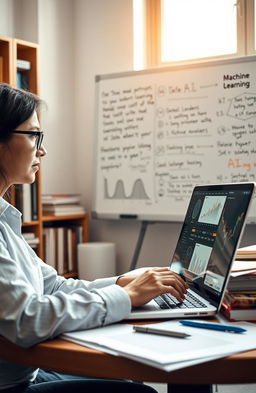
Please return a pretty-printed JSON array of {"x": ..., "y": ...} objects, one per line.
[
  {"x": 34, "y": 201},
  {"x": 18, "y": 197},
  {"x": 65, "y": 249},
  {"x": 26, "y": 205},
  {"x": 49, "y": 247},
  {"x": 69, "y": 250},
  {"x": 1, "y": 69},
  {"x": 60, "y": 247},
  {"x": 22, "y": 80},
  {"x": 23, "y": 201}
]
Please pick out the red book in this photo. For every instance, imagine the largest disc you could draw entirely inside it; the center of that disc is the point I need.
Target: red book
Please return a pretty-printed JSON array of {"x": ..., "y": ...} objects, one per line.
[{"x": 238, "y": 314}]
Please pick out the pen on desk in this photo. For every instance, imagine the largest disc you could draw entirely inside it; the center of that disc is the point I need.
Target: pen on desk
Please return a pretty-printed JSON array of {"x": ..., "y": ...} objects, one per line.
[
  {"x": 214, "y": 326},
  {"x": 160, "y": 332}
]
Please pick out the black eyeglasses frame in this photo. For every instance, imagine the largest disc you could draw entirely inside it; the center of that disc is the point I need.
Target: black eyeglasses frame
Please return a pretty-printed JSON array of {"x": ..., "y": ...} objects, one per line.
[{"x": 39, "y": 134}]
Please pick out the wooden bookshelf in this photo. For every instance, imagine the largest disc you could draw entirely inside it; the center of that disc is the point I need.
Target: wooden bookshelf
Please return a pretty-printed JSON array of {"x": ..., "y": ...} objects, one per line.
[
  {"x": 12, "y": 50},
  {"x": 6, "y": 62},
  {"x": 69, "y": 221}
]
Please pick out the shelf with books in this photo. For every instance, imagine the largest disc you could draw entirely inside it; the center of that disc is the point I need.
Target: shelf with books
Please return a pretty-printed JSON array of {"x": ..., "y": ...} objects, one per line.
[
  {"x": 28, "y": 197},
  {"x": 11, "y": 50},
  {"x": 26, "y": 200},
  {"x": 62, "y": 205},
  {"x": 61, "y": 235},
  {"x": 26, "y": 53},
  {"x": 21, "y": 58}
]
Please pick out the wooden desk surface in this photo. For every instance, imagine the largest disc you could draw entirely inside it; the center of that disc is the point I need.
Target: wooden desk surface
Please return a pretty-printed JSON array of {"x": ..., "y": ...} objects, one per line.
[{"x": 64, "y": 356}]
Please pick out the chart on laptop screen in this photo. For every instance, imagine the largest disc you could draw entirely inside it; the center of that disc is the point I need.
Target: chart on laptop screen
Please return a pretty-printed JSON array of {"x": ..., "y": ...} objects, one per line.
[{"x": 210, "y": 233}]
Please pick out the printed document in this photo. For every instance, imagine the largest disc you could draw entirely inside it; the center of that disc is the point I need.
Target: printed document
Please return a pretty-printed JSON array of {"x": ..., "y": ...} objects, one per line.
[{"x": 164, "y": 352}]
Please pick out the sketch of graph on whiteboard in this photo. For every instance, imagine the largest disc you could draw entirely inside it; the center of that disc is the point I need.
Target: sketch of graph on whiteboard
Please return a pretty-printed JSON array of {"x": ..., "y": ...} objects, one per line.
[
  {"x": 212, "y": 209},
  {"x": 200, "y": 258},
  {"x": 138, "y": 190}
]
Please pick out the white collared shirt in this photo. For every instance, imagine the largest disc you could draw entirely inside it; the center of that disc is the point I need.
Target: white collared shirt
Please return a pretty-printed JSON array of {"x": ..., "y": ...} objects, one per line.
[{"x": 37, "y": 304}]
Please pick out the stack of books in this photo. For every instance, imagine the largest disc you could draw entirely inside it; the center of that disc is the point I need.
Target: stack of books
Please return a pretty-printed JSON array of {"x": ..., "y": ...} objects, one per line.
[
  {"x": 31, "y": 239},
  {"x": 240, "y": 298},
  {"x": 23, "y": 66},
  {"x": 62, "y": 204},
  {"x": 239, "y": 306},
  {"x": 247, "y": 253}
]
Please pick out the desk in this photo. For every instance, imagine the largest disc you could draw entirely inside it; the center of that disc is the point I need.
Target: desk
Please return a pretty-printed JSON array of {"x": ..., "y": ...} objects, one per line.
[{"x": 67, "y": 357}]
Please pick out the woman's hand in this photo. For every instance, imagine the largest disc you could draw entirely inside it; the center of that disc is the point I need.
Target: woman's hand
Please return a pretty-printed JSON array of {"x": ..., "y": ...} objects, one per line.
[
  {"x": 122, "y": 281},
  {"x": 152, "y": 283}
]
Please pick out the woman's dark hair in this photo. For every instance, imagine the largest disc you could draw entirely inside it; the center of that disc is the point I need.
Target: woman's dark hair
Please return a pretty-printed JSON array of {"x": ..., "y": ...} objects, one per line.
[{"x": 16, "y": 106}]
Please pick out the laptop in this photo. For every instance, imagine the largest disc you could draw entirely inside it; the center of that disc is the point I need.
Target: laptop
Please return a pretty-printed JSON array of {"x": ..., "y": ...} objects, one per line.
[{"x": 205, "y": 250}]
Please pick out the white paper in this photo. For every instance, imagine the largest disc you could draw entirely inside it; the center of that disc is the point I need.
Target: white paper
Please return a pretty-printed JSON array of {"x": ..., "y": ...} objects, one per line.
[
  {"x": 164, "y": 352},
  {"x": 240, "y": 266}
]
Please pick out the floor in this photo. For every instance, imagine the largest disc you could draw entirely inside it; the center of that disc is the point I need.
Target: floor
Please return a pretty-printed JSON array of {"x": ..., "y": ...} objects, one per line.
[{"x": 250, "y": 388}]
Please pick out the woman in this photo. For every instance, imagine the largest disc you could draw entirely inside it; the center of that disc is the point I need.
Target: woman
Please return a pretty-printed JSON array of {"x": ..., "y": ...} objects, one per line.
[{"x": 37, "y": 304}]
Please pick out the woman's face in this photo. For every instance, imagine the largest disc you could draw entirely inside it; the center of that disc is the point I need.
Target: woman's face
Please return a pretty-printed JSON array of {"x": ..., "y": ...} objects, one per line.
[{"x": 19, "y": 157}]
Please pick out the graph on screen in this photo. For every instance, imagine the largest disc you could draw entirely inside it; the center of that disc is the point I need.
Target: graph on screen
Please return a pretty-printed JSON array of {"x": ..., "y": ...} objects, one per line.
[
  {"x": 200, "y": 258},
  {"x": 212, "y": 209}
]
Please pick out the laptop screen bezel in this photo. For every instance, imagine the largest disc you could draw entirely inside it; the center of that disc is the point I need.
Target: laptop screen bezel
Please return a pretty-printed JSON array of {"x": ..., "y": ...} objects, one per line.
[{"x": 213, "y": 298}]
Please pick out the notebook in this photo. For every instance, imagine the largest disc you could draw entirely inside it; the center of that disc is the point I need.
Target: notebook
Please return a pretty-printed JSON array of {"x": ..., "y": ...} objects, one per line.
[{"x": 205, "y": 250}]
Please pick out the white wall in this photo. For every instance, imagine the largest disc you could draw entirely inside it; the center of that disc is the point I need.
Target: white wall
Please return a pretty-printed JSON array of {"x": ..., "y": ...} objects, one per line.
[
  {"x": 7, "y": 18},
  {"x": 26, "y": 19},
  {"x": 103, "y": 44},
  {"x": 55, "y": 32},
  {"x": 79, "y": 39}
]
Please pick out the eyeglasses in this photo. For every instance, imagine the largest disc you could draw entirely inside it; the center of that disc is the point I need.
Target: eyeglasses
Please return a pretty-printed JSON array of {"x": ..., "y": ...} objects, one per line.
[{"x": 39, "y": 135}]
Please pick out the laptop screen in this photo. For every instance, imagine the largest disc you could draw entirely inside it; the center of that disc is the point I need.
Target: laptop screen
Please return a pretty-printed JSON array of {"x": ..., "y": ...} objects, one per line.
[{"x": 210, "y": 235}]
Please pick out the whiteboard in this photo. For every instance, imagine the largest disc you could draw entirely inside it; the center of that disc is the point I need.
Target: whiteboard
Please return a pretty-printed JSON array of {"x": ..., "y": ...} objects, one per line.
[{"x": 163, "y": 131}]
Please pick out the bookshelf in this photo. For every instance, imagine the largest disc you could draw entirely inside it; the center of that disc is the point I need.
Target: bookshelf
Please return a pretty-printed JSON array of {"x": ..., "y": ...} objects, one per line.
[
  {"x": 19, "y": 66},
  {"x": 6, "y": 60}
]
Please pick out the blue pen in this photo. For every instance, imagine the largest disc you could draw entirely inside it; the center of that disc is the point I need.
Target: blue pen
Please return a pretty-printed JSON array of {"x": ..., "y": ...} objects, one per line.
[{"x": 214, "y": 326}]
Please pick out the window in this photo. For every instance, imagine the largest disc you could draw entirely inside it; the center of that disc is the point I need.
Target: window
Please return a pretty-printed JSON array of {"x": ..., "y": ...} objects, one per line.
[
  {"x": 185, "y": 30},
  {"x": 251, "y": 26},
  {"x": 197, "y": 29}
]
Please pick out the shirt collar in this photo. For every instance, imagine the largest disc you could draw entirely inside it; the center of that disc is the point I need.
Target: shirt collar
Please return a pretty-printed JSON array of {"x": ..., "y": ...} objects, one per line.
[{"x": 4, "y": 206}]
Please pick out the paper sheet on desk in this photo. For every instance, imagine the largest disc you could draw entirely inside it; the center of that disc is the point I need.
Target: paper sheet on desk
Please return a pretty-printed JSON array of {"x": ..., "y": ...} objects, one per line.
[{"x": 167, "y": 353}]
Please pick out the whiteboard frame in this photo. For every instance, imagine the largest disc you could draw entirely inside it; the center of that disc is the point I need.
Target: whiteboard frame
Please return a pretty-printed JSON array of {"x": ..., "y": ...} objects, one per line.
[
  {"x": 96, "y": 214},
  {"x": 182, "y": 66}
]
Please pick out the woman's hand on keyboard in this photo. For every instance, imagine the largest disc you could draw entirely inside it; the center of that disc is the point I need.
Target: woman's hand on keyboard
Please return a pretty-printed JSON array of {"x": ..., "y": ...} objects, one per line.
[{"x": 152, "y": 283}]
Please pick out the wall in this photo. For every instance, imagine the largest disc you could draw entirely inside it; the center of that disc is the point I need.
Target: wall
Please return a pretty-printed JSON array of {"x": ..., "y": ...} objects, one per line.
[
  {"x": 26, "y": 19},
  {"x": 7, "y": 17},
  {"x": 55, "y": 33},
  {"x": 103, "y": 44},
  {"x": 79, "y": 39}
]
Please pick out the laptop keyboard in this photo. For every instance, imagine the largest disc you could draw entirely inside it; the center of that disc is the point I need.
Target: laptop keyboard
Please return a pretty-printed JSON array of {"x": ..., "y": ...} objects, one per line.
[{"x": 167, "y": 301}]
